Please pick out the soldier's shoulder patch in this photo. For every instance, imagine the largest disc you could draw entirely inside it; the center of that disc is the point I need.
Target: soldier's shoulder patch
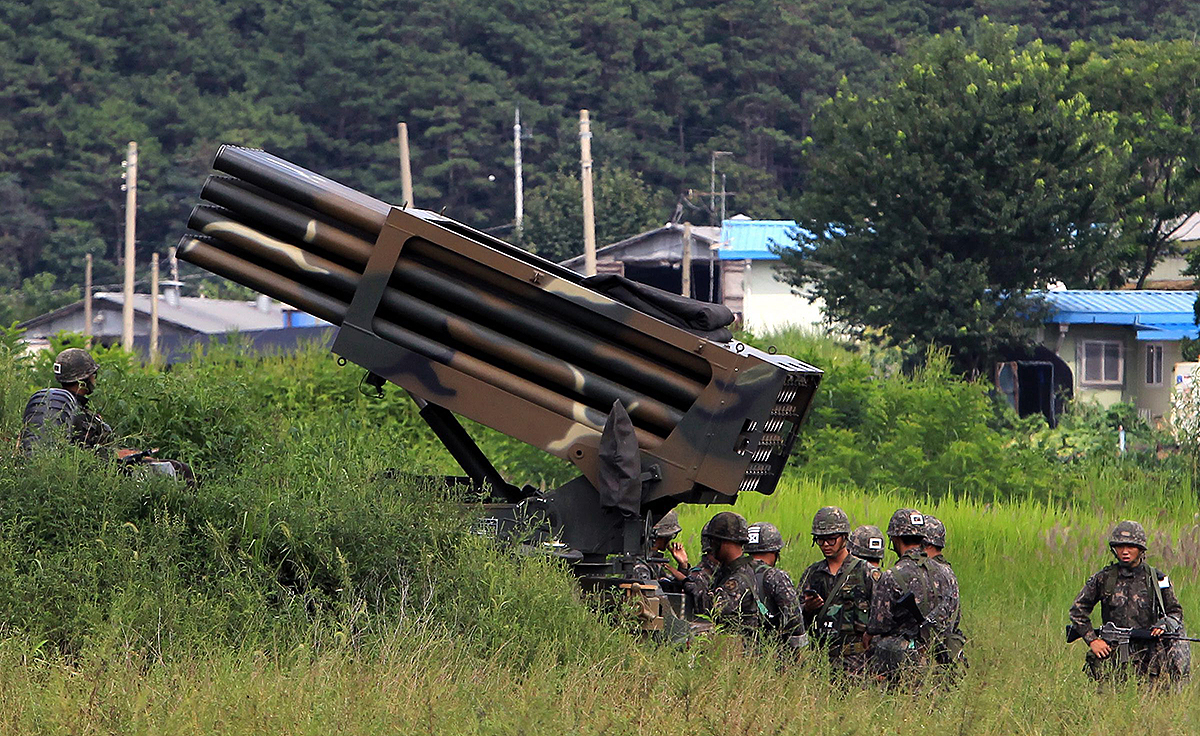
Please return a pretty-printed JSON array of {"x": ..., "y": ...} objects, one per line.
[
  {"x": 875, "y": 573},
  {"x": 1164, "y": 582}
]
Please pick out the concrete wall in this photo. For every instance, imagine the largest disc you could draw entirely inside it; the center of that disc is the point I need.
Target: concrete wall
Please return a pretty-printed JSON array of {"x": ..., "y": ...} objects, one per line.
[
  {"x": 768, "y": 304},
  {"x": 1154, "y": 401}
]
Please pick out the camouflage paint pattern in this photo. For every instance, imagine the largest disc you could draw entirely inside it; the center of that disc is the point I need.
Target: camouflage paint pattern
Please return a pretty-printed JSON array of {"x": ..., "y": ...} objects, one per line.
[
  {"x": 490, "y": 332},
  {"x": 1127, "y": 598}
]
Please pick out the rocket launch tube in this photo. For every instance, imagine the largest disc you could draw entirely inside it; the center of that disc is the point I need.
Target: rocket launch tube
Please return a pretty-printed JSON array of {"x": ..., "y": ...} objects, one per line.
[
  {"x": 208, "y": 256},
  {"x": 299, "y": 264}
]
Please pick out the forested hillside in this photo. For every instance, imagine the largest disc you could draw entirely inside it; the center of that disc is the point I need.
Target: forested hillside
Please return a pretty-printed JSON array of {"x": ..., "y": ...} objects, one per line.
[{"x": 324, "y": 82}]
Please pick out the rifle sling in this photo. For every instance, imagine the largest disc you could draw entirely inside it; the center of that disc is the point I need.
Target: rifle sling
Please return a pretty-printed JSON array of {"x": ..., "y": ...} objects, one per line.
[{"x": 850, "y": 565}]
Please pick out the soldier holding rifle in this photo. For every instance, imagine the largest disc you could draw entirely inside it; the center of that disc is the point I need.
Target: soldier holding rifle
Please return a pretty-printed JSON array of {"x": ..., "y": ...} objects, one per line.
[{"x": 1139, "y": 599}]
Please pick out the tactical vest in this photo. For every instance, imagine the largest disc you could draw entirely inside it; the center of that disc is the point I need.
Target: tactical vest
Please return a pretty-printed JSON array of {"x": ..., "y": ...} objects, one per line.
[
  {"x": 47, "y": 409},
  {"x": 906, "y": 576},
  {"x": 845, "y": 612},
  {"x": 1110, "y": 586}
]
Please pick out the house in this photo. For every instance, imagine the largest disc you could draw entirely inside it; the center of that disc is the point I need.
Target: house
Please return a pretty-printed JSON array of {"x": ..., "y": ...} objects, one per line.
[
  {"x": 178, "y": 317},
  {"x": 1121, "y": 346},
  {"x": 750, "y": 270},
  {"x": 732, "y": 265}
]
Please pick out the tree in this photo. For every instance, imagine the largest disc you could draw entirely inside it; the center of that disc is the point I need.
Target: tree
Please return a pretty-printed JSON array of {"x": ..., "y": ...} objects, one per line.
[
  {"x": 933, "y": 209},
  {"x": 1154, "y": 91},
  {"x": 625, "y": 206}
]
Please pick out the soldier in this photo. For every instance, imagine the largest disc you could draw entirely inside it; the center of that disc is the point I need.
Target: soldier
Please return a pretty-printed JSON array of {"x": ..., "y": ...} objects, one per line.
[
  {"x": 946, "y": 613},
  {"x": 1131, "y": 594},
  {"x": 669, "y": 578},
  {"x": 866, "y": 543},
  {"x": 66, "y": 409},
  {"x": 736, "y": 599},
  {"x": 837, "y": 592},
  {"x": 779, "y": 593},
  {"x": 897, "y": 630},
  {"x": 697, "y": 585}
]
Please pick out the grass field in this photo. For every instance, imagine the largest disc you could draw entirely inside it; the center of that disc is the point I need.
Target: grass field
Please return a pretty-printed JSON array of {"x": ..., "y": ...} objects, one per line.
[
  {"x": 299, "y": 593},
  {"x": 1020, "y": 564}
]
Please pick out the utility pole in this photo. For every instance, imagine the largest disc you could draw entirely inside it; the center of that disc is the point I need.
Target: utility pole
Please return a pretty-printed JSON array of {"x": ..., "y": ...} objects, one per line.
[
  {"x": 406, "y": 192},
  {"x": 131, "y": 163},
  {"x": 154, "y": 309},
  {"x": 519, "y": 188},
  {"x": 712, "y": 180},
  {"x": 722, "y": 198},
  {"x": 686, "y": 286},
  {"x": 87, "y": 298},
  {"x": 589, "y": 212}
]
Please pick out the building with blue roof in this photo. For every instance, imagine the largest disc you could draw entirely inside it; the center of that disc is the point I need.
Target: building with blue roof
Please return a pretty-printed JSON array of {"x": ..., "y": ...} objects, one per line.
[
  {"x": 1122, "y": 346},
  {"x": 732, "y": 265}
]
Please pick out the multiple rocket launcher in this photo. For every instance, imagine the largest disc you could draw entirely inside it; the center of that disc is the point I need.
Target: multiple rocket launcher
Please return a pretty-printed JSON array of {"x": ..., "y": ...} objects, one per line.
[{"x": 474, "y": 326}]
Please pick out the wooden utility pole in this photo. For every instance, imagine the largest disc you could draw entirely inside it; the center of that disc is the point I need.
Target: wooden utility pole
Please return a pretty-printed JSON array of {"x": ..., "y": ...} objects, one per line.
[
  {"x": 589, "y": 212},
  {"x": 131, "y": 163},
  {"x": 686, "y": 287},
  {"x": 406, "y": 192},
  {"x": 519, "y": 187},
  {"x": 154, "y": 309},
  {"x": 87, "y": 298}
]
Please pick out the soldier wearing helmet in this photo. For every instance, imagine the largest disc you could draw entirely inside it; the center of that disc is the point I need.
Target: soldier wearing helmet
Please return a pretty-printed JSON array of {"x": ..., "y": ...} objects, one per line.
[
  {"x": 736, "y": 599},
  {"x": 65, "y": 409},
  {"x": 653, "y": 568},
  {"x": 946, "y": 614},
  {"x": 837, "y": 592},
  {"x": 898, "y": 627},
  {"x": 866, "y": 543},
  {"x": 1131, "y": 594},
  {"x": 779, "y": 592}
]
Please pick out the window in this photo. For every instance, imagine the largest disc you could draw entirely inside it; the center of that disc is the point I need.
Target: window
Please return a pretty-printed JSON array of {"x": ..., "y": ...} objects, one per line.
[
  {"x": 1102, "y": 362},
  {"x": 1154, "y": 365}
]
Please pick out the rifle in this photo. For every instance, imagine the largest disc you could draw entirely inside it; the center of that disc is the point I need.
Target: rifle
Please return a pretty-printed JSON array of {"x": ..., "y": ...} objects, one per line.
[{"x": 1118, "y": 635}]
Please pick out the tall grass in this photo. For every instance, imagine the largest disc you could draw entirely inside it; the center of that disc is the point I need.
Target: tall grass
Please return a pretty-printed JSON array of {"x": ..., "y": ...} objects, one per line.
[{"x": 305, "y": 588}]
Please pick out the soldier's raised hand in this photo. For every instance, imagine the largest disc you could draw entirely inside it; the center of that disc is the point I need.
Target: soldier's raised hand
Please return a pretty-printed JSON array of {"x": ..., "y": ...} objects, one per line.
[{"x": 680, "y": 555}]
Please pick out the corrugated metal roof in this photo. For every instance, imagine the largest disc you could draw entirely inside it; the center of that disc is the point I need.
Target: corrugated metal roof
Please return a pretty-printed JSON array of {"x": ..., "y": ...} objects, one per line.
[
  {"x": 751, "y": 240},
  {"x": 1157, "y": 315},
  {"x": 209, "y": 316}
]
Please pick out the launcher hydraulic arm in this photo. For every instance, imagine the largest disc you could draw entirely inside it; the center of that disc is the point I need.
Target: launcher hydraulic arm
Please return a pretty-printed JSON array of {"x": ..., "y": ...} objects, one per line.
[{"x": 473, "y": 326}]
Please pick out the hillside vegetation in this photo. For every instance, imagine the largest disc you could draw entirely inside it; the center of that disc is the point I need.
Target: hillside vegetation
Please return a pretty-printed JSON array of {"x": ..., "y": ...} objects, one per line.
[{"x": 305, "y": 589}]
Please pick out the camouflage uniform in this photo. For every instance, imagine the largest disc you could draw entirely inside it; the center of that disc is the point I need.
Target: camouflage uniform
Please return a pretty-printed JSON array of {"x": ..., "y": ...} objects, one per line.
[
  {"x": 839, "y": 624},
  {"x": 901, "y": 603},
  {"x": 945, "y": 616},
  {"x": 782, "y": 602},
  {"x": 56, "y": 407},
  {"x": 947, "y": 638},
  {"x": 1136, "y": 596},
  {"x": 698, "y": 585},
  {"x": 655, "y": 570},
  {"x": 737, "y": 599}
]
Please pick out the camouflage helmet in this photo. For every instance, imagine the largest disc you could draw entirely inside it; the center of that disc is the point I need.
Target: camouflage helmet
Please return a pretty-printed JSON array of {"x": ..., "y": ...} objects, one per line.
[
  {"x": 866, "y": 542},
  {"x": 1128, "y": 532},
  {"x": 728, "y": 526},
  {"x": 935, "y": 532},
  {"x": 668, "y": 525},
  {"x": 906, "y": 523},
  {"x": 830, "y": 520},
  {"x": 764, "y": 537},
  {"x": 73, "y": 365}
]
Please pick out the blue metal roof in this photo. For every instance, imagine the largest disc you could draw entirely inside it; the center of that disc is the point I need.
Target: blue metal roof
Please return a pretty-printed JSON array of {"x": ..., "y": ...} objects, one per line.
[
  {"x": 751, "y": 240},
  {"x": 1157, "y": 315}
]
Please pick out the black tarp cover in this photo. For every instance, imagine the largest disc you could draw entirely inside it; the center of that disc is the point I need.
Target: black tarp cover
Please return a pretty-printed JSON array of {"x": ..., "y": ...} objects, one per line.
[
  {"x": 707, "y": 320},
  {"x": 620, "y": 472}
]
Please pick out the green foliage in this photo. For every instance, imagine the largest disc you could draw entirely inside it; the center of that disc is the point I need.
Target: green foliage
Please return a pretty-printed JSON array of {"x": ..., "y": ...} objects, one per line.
[
  {"x": 1154, "y": 90},
  {"x": 935, "y": 207},
  {"x": 624, "y": 206}
]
